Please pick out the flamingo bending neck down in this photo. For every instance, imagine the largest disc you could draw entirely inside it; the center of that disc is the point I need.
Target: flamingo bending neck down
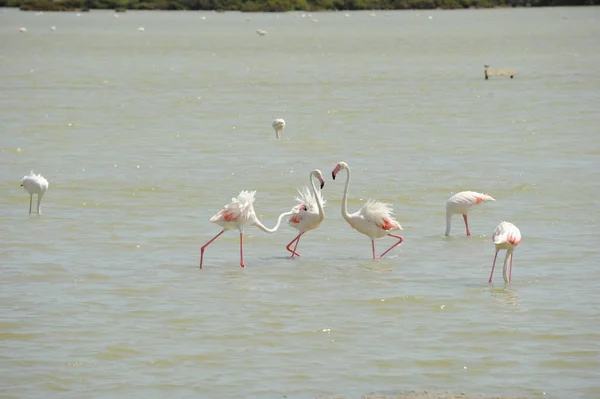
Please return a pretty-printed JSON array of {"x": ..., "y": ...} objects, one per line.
[
  {"x": 308, "y": 214},
  {"x": 239, "y": 214},
  {"x": 35, "y": 184},
  {"x": 278, "y": 126},
  {"x": 462, "y": 203},
  {"x": 506, "y": 236},
  {"x": 375, "y": 219}
]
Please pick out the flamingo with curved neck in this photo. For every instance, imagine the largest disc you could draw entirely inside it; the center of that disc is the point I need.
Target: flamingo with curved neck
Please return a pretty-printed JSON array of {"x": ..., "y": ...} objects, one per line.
[
  {"x": 375, "y": 219},
  {"x": 239, "y": 214},
  {"x": 309, "y": 213}
]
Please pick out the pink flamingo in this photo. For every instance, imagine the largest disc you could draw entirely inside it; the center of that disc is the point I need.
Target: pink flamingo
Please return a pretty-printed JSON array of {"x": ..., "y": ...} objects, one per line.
[
  {"x": 506, "y": 236},
  {"x": 239, "y": 214},
  {"x": 375, "y": 219},
  {"x": 309, "y": 214},
  {"x": 462, "y": 203}
]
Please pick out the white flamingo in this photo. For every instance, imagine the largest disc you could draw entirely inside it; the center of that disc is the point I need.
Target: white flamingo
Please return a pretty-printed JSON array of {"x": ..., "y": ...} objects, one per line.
[
  {"x": 278, "y": 126},
  {"x": 239, "y": 214},
  {"x": 375, "y": 219},
  {"x": 462, "y": 203},
  {"x": 506, "y": 236},
  {"x": 35, "y": 184},
  {"x": 308, "y": 214},
  {"x": 261, "y": 32}
]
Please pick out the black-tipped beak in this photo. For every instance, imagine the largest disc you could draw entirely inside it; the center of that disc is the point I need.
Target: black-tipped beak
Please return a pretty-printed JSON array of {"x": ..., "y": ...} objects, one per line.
[
  {"x": 333, "y": 175},
  {"x": 322, "y": 185}
]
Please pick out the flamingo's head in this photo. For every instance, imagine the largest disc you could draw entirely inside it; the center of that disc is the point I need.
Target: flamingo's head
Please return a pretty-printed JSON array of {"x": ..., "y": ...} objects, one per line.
[
  {"x": 319, "y": 175},
  {"x": 340, "y": 166}
]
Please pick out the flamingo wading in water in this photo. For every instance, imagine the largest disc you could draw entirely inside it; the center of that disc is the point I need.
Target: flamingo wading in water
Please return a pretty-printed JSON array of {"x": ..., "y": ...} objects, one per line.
[
  {"x": 375, "y": 219},
  {"x": 35, "y": 184},
  {"x": 308, "y": 214},
  {"x": 506, "y": 236},
  {"x": 462, "y": 203},
  {"x": 278, "y": 126},
  {"x": 239, "y": 214}
]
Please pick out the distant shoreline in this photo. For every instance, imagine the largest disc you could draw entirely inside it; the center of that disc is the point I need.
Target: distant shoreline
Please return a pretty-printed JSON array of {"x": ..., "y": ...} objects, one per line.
[{"x": 283, "y": 6}]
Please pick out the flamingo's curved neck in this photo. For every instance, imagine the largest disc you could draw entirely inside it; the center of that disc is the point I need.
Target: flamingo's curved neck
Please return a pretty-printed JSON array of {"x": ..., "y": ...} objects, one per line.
[
  {"x": 261, "y": 226},
  {"x": 345, "y": 213},
  {"x": 448, "y": 222},
  {"x": 317, "y": 197}
]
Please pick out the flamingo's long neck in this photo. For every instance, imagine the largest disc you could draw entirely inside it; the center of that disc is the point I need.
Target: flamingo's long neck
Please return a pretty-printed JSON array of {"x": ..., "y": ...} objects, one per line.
[
  {"x": 345, "y": 213},
  {"x": 505, "y": 268},
  {"x": 39, "y": 203},
  {"x": 448, "y": 222},
  {"x": 261, "y": 226},
  {"x": 317, "y": 198}
]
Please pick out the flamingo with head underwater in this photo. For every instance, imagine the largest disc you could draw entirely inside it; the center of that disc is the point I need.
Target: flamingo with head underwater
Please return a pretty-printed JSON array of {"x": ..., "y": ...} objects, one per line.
[
  {"x": 35, "y": 184},
  {"x": 239, "y": 214},
  {"x": 375, "y": 219},
  {"x": 462, "y": 203},
  {"x": 506, "y": 236},
  {"x": 278, "y": 126},
  {"x": 308, "y": 214}
]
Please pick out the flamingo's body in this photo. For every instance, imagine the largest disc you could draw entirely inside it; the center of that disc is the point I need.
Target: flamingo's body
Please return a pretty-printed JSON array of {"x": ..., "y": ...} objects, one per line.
[
  {"x": 239, "y": 214},
  {"x": 278, "y": 126},
  {"x": 35, "y": 184},
  {"x": 261, "y": 32},
  {"x": 308, "y": 214},
  {"x": 506, "y": 236},
  {"x": 375, "y": 219},
  {"x": 462, "y": 203}
]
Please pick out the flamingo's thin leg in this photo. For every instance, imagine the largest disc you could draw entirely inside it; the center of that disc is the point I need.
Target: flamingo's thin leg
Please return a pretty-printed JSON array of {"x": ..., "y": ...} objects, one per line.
[
  {"x": 400, "y": 240},
  {"x": 296, "y": 239},
  {"x": 467, "y": 225},
  {"x": 242, "y": 264},
  {"x": 30, "y": 202},
  {"x": 493, "y": 265},
  {"x": 206, "y": 245},
  {"x": 373, "y": 247}
]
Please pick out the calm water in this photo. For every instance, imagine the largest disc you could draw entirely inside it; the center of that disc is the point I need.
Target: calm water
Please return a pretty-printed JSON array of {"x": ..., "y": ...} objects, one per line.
[{"x": 145, "y": 135}]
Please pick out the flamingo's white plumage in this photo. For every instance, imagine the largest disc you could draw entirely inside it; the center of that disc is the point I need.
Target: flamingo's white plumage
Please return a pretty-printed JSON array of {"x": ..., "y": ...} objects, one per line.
[
  {"x": 462, "y": 203},
  {"x": 35, "y": 184},
  {"x": 506, "y": 236},
  {"x": 239, "y": 214},
  {"x": 308, "y": 214},
  {"x": 278, "y": 126},
  {"x": 261, "y": 32},
  {"x": 375, "y": 219}
]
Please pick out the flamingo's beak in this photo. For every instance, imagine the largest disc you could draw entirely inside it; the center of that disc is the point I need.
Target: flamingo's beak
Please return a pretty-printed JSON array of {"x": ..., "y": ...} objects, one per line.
[{"x": 322, "y": 184}]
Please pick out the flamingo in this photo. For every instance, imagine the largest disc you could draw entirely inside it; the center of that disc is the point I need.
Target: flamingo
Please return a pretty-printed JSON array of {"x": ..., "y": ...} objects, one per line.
[
  {"x": 35, "y": 184},
  {"x": 375, "y": 219},
  {"x": 462, "y": 203},
  {"x": 309, "y": 214},
  {"x": 506, "y": 236},
  {"x": 239, "y": 214},
  {"x": 261, "y": 32},
  {"x": 278, "y": 126}
]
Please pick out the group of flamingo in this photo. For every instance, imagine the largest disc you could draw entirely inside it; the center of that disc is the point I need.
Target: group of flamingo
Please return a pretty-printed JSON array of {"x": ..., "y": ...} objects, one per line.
[{"x": 374, "y": 219}]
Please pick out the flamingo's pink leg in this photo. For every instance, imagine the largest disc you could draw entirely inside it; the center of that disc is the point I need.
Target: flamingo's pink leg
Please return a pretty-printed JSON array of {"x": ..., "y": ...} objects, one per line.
[
  {"x": 373, "y": 246},
  {"x": 467, "y": 225},
  {"x": 400, "y": 240},
  {"x": 242, "y": 264},
  {"x": 297, "y": 239},
  {"x": 510, "y": 273},
  {"x": 206, "y": 245},
  {"x": 493, "y": 265}
]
